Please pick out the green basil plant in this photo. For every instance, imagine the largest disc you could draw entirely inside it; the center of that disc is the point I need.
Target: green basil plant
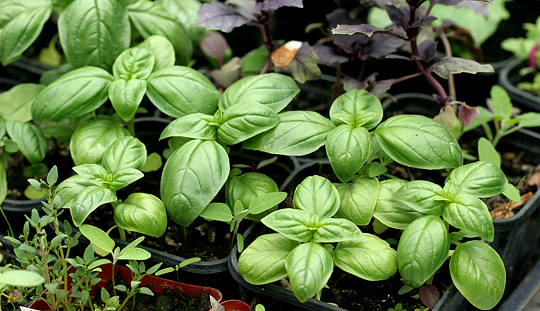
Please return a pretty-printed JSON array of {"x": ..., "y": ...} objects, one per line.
[
  {"x": 431, "y": 216},
  {"x": 196, "y": 171},
  {"x": 108, "y": 159}
]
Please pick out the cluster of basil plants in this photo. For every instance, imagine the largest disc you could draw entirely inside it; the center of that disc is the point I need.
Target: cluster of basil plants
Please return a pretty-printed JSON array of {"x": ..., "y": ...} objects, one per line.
[{"x": 432, "y": 217}]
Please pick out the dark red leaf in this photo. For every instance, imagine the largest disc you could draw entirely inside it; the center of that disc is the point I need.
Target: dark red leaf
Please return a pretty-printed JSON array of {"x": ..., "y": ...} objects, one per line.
[
  {"x": 215, "y": 45},
  {"x": 219, "y": 16},
  {"x": 429, "y": 295},
  {"x": 274, "y": 4}
]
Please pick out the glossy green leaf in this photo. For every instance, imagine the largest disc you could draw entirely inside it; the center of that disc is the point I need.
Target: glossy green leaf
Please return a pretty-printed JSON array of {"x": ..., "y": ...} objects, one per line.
[
  {"x": 98, "y": 237},
  {"x": 248, "y": 186},
  {"x": 192, "y": 177},
  {"x": 21, "y": 22},
  {"x": 478, "y": 273},
  {"x": 348, "y": 149},
  {"x": 422, "y": 249},
  {"x": 298, "y": 133},
  {"x": 124, "y": 177},
  {"x": 480, "y": 179},
  {"x": 179, "y": 91},
  {"x": 422, "y": 196},
  {"x": 419, "y": 142},
  {"x": 150, "y": 18},
  {"x": 317, "y": 196},
  {"x": 162, "y": 50},
  {"x": 31, "y": 141},
  {"x": 296, "y": 225},
  {"x": 21, "y": 277},
  {"x": 336, "y": 230},
  {"x": 143, "y": 213},
  {"x": 17, "y": 102},
  {"x": 94, "y": 173},
  {"x": 126, "y": 97},
  {"x": 470, "y": 214},
  {"x": 357, "y": 108},
  {"x": 371, "y": 258},
  {"x": 125, "y": 152},
  {"x": 71, "y": 187},
  {"x": 185, "y": 12},
  {"x": 266, "y": 201},
  {"x": 271, "y": 89},
  {"x": 87, "y": 201},
  {"x": 512, "y": 193},
  {"x": 90, "y": 141},
  {"x": 134, "y": 63},
  {"x": 263, "y": 261},
  {"x": 217, "y": 211},
  {"x": 76, "y": 93},
  {"x": 94, "y": 33},
  {"x": 358, "y": 199},
  {"x": 196, "y": 125},
  {"x": 243, "y": 121},
  {"x": 501, "y": 103},
  {"x": 309, "y": 267}
]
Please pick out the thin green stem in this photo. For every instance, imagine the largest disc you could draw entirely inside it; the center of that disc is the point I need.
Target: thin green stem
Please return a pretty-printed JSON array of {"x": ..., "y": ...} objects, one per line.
[{"x": 131, "y": 126}]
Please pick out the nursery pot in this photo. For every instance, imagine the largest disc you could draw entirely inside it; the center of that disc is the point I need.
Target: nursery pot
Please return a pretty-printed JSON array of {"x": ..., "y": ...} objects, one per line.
[
  {"x": 509, "y": 77},
  {"x": 516, "y": 236},
  {"x": 156, "y": 284},
  {"x": 525, "y": 295}
]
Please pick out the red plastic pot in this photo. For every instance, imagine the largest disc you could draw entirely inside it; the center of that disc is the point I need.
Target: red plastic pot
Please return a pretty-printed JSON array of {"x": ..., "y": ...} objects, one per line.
[
  {"x": 156, "y": 284},
  {"x": 235, "y": 305}
]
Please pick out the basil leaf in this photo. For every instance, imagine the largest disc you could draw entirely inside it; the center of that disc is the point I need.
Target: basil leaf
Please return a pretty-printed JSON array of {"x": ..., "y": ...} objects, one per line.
[
  {"x": 336, "y": 230},
  {"x": 263, "y": 261},
  {"x": 371, "y": 258},
  {"x": 162, "y": 50},
  {"x": 317, "y": 196},
  {"x": 196, "y": 125},
  {"x": 134, "y": 63},
  {"x": 419, "y": 142},
  {"x": 480, "y": 179},
  {"x": 71, "y": 187},
  {"x": 143, "y": 213},
  {"x": 17, "y": 102},
  {"x": 31, "y": 141},
  {"x": 179, "y": 91},
  {"x": 358, "y": 200},
  {"x": 126, "y": 96},
  {"x": 76, "y": 93},
  {"x": 21, "y": 23},
  {"x": 422, "y": 249},
  {"x": 298, "y": 133},
  {"x": 150, "y": 18},
  {"x": 266, "y": 202},
  {"x": 390, "y": 212},
  {"x": 87, "y": 201},
  {"x": 94, "y": 173},
  {"x": 309, "y": 267},
  {"x": 90, "y": 141},
  {"x": 470, "y": 214},
  {"x": 422, "y": 196},
  {"x": 271, "y": 89},
  {"x": 478, "y": 273},
  {"x": 185, "y": 12},
  {"x": 217, "y": 211},
  {"x": 94, "y": 33},
  {"x": 357, "y": 108},
  {"x": 244, "y": 121},
  {"x": 348, "y": 149},
  {"x": 192, "y": 177},
  {"x": 296, "y": 225},
  {"x": 246, "y": 187},
  {"x": 124, "y": 177},
  {"x": 123, "y": 153}
]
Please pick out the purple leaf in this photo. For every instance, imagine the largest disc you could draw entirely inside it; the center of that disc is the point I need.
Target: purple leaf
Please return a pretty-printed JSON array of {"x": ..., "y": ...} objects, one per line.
[
  {"x": 329, "y": 56},
  {"x": 341, "y": 16},
  {"x": 350, "y": 83},
  {"x": 445, "y": 2},
  {"x": 467, "y": 114},
  {"x": 452, "y": 65},
  {"x": 427, "y": 49},
  {"x": 304, "y": 65},
  {"x": 398, "y": 16},
  {"x": 274, "y": 4},
  {"x": 381, "y": 87},
  {"x": 382, "y": 45},
  {"x": 365, "y": 29},
  {"x": 424, "y": 21},
  {"x": 429, "y": 295},
  {"x": 396, "y": 56},
  {"x": 215, "y": 45},
  {"x": 219, "y": 16}
]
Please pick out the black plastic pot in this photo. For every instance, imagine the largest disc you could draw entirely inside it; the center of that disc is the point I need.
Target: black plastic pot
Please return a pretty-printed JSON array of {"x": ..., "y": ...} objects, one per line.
[
  {"x": 509, "y": 78},
  {"x": 515, "y": 237},
  {"x": 525, "y": 294},
  {"x": 25, "y": 70}
]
